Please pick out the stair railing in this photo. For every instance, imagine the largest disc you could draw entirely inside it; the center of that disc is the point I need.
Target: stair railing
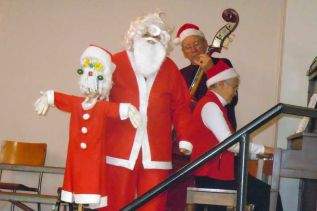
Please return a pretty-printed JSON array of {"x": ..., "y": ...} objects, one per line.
[{"x": 241, "y": 136}]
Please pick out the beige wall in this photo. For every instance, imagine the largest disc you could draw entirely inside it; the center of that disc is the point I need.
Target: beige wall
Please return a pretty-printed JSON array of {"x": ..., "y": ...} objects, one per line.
[
  {"x": 299, "y": 51},
  {"x": 41, "y": 41}
]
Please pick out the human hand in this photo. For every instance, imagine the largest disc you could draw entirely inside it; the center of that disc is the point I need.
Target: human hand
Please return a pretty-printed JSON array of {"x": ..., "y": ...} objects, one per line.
[
  {"x": 41, "y": 104},
  {"x": 204, "y": 61},
  {"x": 184, "y": 151},
  {"x": 134, "y": 116}
]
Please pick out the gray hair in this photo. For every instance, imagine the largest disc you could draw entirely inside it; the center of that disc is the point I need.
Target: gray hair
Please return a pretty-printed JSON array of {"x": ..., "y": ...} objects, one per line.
[{"x": 144, "y": 25}]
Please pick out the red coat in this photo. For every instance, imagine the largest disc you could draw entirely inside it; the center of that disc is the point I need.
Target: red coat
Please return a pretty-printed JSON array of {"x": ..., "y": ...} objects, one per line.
[
  {"x": 167, "y": 103},
  {"x": 85, "y": 170},
  {"x": 221, "y": 167}
]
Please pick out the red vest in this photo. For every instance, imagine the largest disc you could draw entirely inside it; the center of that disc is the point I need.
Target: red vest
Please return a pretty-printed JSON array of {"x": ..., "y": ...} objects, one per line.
[{"x": 221, "y": 167}]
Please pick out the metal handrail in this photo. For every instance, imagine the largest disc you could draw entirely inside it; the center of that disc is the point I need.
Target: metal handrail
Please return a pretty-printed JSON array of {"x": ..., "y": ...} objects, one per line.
[{"x": 242, "y": 134}]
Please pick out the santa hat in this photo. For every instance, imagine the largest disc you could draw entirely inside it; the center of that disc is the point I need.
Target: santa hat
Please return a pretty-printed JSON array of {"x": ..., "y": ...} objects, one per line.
[
  {"x": 99, "y": 53},
  {"x": 186, "y": 30},
  {"x": 220, "y": 72}
]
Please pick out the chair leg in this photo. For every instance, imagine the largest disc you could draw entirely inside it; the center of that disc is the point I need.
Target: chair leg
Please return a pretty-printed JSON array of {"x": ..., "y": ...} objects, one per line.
[
  {"x": 251, "y": 207},
  {"x": 273, "y": 200},
  {"x": 275, "y": 178},
  {"x": 80, "y": 207}
]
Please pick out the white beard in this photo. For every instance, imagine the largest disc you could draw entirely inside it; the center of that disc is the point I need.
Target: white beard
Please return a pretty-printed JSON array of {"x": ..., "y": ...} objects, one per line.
[{"x": 148, "y": 57}]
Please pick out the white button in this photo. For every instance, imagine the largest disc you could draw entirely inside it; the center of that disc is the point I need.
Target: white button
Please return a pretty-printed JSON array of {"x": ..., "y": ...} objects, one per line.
[
  {"x": 84, "y": 130},
  {"x": 83, "y": 145},
  {"x": 86, "y": 116}
]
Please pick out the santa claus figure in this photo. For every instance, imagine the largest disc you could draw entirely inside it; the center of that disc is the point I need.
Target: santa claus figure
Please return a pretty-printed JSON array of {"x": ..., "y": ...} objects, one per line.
[
  {"x": 147, "y": 78},
  {"x": 85, "y": 174}
]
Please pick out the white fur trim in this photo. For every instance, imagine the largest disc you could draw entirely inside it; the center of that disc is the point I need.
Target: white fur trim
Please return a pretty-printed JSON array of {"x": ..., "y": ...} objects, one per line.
[
  {"x": 129, "y": 164},
  {"x": 157, "y": 165},
  {"x": 94, "y": 200},
  {"x": 99, "y": 54},
  {"x": 186, "y": 33},
  {"x": 67, "y": 196},
  {"x": 103, "y": 203},
  {"x": 120, "y": 162},
  {"x": 224, "y": 75},
  {"x": 123, "y": 110},
  {"x": 50, "y": 97},
  {"x": 186, "y": 145}
]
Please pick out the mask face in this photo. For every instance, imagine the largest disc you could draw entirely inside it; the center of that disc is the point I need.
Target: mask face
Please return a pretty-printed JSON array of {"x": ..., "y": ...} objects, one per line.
[{"x": 91, "y": 77}]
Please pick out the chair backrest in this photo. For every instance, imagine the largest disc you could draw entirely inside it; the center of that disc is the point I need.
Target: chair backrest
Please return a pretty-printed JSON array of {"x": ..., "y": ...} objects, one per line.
[
  {"x": 22, "y": 153},
  {"x": 253, "y": 167},
  {"x": 267, "y": 168}
]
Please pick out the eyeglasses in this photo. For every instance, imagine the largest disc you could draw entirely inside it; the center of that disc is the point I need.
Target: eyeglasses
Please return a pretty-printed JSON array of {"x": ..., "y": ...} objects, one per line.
[
  {"x": 196, "y": 45},
  {"x": 152, "y": 31}
]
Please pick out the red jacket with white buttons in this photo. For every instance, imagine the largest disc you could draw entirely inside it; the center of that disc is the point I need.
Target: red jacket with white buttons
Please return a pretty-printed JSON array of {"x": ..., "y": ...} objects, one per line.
[{"x": 85, "y": 167}]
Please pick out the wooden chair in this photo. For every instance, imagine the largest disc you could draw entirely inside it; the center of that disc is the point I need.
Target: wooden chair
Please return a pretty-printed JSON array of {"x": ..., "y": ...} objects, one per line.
[
  {"x": 20, "y": 153},
  {"x": 253, "y": 167},
  {"x": 212, "y": 197},
  {"x": 217, "y": 196}
]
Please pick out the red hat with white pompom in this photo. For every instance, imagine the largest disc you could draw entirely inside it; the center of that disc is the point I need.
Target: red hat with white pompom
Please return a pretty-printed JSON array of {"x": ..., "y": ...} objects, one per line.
[
  {"x": 186, "y": 30},
  {"x": 220, "y": 72}
]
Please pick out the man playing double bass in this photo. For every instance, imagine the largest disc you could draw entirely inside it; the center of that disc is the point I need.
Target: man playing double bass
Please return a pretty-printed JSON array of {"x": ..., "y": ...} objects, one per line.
[{"x": 194, "y": 48}]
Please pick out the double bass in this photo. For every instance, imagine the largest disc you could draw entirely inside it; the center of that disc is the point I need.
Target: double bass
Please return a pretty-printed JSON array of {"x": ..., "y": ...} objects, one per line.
[{"x": 220, "y": 40}]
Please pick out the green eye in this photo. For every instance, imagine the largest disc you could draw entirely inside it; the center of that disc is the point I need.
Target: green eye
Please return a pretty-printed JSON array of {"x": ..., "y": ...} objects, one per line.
[
  {"x": 80, "y": 71},
  {"x": 100, "y": 77}
]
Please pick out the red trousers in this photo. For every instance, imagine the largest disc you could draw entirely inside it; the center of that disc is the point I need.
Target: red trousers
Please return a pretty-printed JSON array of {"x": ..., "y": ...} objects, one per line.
[{"x": 125, "y": 185}]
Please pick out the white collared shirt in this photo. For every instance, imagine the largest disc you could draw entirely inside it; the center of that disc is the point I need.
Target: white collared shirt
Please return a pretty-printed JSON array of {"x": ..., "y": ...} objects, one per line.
[{"x": 214, "y": 120}]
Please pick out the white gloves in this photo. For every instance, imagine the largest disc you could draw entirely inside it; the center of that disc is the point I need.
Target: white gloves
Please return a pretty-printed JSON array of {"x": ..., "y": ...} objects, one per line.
[
  {"x": 134, "y": 116},
  {"x": 42, "y": 105}
]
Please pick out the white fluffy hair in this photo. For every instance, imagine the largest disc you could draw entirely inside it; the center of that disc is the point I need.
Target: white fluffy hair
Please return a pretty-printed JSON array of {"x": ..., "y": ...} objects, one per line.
[
  {"x": 88, "y": 84},
  {"x": 141, "y": 25}
]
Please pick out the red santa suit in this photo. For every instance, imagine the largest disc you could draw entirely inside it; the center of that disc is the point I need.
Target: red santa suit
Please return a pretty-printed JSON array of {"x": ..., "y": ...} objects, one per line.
[
  {"x": 84, "y": 179},
  {"x": 140, "y": 159}
]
